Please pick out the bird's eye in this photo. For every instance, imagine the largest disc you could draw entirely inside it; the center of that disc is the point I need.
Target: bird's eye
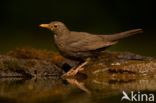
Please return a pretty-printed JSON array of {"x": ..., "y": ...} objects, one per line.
[{"x": 55, "y": 26}]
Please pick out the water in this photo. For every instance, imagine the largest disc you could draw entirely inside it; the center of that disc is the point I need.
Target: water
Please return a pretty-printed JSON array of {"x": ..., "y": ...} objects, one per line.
[{"x": 94, "y": 88}]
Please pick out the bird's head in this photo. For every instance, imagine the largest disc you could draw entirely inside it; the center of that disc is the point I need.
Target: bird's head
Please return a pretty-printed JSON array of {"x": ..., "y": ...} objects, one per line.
[{"x": 55, "y": 26}]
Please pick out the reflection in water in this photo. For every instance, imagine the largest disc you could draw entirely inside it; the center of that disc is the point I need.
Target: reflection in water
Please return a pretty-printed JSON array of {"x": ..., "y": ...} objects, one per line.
[
  {"x": 78, "y": 84},
  {"x": 36, "y": 90},
  {"x": 104, "y": 87}
]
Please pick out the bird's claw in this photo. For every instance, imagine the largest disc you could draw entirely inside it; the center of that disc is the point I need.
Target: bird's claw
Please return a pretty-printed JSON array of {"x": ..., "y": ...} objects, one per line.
[{"x": 72, "y": 72}]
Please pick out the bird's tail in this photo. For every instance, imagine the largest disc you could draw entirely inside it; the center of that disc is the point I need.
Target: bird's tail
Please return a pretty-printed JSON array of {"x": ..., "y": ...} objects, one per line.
[{"x": 122, "y": 35}]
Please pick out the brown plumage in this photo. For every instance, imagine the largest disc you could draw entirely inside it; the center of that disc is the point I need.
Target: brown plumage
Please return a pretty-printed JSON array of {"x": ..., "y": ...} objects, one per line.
[{"x": 81, "y": 45}]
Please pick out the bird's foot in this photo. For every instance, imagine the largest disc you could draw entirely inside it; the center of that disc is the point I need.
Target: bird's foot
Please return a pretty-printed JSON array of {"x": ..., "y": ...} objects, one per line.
[{"x": 72, "y": 72}]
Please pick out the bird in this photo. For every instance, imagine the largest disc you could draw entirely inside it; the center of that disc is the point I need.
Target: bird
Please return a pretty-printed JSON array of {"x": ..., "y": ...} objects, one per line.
[{"x": 81, "y": 46}]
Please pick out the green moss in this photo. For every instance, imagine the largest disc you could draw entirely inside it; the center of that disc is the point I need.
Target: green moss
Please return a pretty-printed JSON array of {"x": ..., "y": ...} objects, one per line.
[{"x": 12, "y": 64}]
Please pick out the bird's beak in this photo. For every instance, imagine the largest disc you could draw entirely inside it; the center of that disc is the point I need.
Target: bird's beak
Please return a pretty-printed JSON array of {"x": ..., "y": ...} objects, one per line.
[{"x": 45, "y": 26}]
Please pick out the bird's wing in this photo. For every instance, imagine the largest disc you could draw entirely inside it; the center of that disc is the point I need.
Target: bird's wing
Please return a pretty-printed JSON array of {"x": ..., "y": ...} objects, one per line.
[
  {"x": 90, "y": 46},
  {"x": 87, "y": 42}
]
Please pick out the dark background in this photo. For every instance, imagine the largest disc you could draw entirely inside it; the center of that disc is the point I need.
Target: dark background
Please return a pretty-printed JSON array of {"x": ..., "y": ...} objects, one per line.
[{"x": 19, "y": 22}]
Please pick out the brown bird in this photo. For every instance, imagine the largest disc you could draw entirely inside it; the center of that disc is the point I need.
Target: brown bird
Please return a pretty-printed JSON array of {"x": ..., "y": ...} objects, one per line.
[{"x": 82, "y": 45}]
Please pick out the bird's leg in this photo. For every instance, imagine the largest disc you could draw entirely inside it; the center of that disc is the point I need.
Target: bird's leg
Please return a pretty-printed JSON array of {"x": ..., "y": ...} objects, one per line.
[{"x": 73, "y": 71}]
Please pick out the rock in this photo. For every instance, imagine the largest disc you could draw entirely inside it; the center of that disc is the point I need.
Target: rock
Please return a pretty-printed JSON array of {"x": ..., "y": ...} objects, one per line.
[
  {"x": 29, "y": 63},
  {"x": 119, "y": 62}
]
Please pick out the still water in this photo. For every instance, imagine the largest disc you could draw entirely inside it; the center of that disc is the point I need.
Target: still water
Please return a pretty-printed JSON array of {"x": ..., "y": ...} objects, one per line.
[{"x": 97, "y": 87}]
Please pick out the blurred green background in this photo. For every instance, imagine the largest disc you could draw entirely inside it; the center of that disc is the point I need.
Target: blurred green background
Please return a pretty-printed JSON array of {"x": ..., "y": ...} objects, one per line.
[{"x": 19, "y": 22}]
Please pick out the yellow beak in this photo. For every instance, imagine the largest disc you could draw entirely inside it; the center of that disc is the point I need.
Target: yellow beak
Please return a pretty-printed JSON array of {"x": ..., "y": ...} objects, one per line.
[{"x": 45, "y": 26}]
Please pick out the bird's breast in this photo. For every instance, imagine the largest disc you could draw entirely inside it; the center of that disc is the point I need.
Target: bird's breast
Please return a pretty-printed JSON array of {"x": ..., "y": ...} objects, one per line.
[
  {"x": 60, "y": 43},
  {"x": 63, "y": 45}
]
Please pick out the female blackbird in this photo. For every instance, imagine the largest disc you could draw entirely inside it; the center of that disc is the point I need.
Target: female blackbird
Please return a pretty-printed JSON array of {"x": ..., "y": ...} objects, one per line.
[{"x": 82, "y": 45}]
